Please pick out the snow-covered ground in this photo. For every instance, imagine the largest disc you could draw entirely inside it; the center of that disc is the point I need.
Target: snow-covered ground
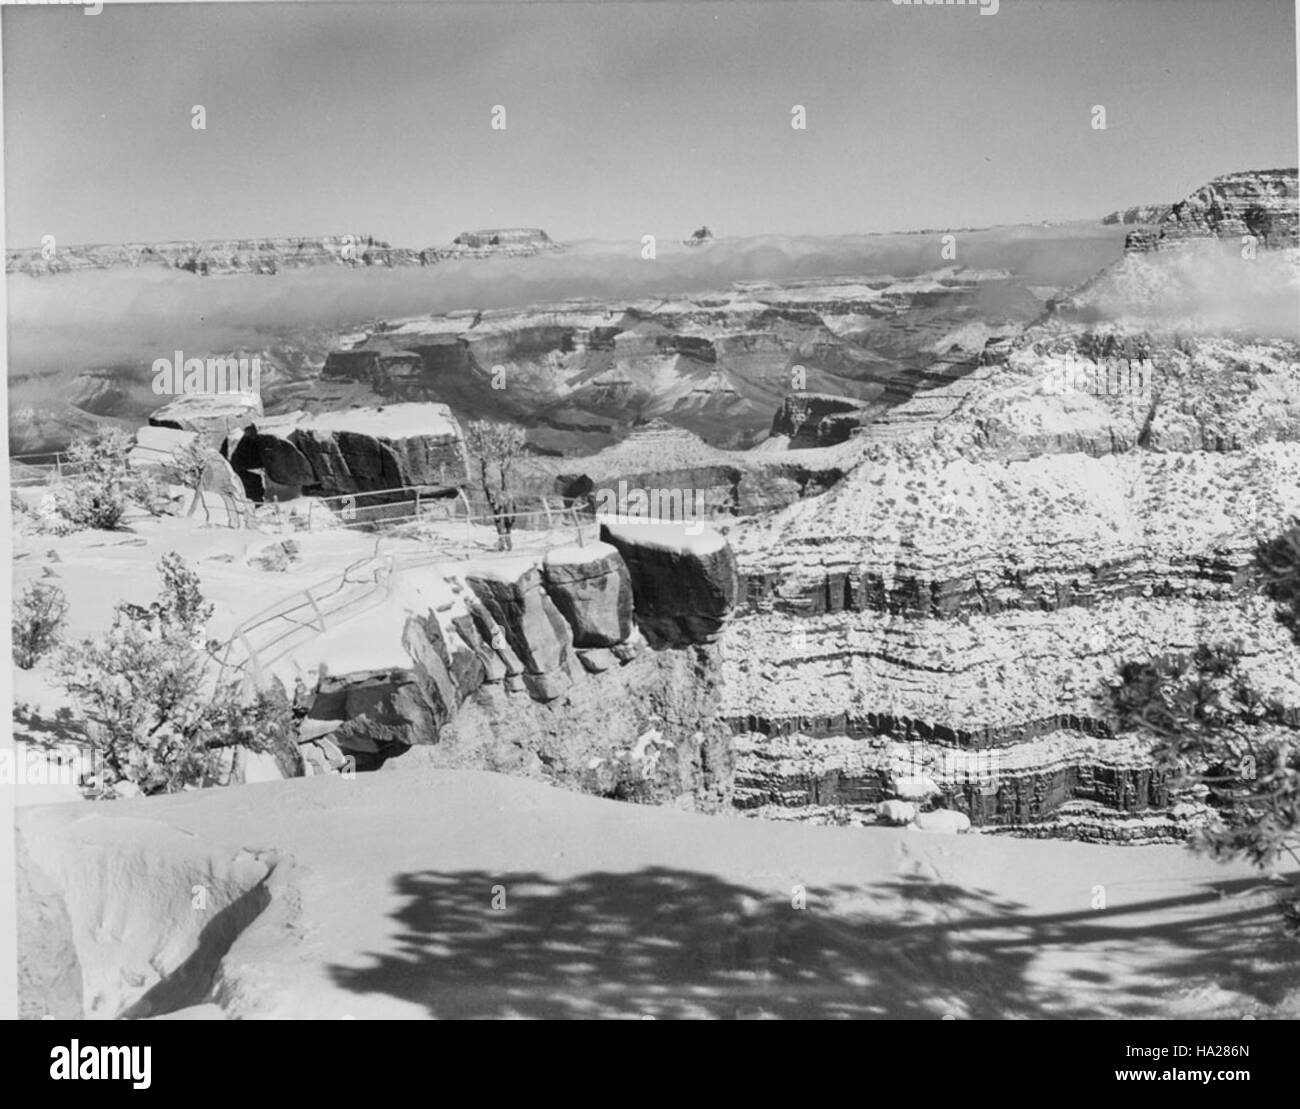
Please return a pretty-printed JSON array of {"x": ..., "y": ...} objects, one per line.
[{"x": 424, "y": 893}]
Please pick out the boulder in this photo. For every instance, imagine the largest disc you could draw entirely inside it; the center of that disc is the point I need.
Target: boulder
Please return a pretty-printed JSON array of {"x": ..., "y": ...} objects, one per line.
[
  {"x": 596, "y": 660},
  {"x": 943, "y": 820},
  {"x": 209, "y": 413},
  {"x": 896, "y": 812},
  {"x": 377, "y": 712},
  {"x": 592, "y": 589},
  {"x": 684, "y": 579},
  {"x": 155, "y": 446},
  {"x": 915, "y": 788}
]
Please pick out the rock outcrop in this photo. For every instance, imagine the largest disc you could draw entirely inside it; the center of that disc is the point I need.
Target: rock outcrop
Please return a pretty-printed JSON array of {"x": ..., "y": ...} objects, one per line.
[
  {"x": 683, "y": 578},
  {"x": 818, "y": 420},
  {"x": 537, "y": 666},
  {"x": 215, "y": 415},
  {"x": 592, "y": 589},
  {"x": 1260, "y": 203},
  {"x": 352, "y": 451}
]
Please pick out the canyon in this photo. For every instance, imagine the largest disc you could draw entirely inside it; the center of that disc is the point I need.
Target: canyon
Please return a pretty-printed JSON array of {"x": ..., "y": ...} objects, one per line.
[{"x": 918, "y": 557}]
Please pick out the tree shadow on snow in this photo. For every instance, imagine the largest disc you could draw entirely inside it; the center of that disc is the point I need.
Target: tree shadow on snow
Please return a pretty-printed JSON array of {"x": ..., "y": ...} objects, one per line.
[{"x": 674, "y": 944}]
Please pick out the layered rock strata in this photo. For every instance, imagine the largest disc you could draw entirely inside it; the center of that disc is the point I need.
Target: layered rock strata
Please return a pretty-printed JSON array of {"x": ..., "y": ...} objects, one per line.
[{"x": 956, "y": 610}]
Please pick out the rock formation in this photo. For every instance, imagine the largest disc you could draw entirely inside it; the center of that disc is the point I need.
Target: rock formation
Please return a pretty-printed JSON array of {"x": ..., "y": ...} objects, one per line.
[
  {"x": 215, "y": 415},
  {"x": 818, "y": 420},
  {"x": 1261, "y": 203},
  {"x": 539, "y": 666},
  {"x": 659, "y": 457},
  {"x": 1141, "y": 213},
  {"x": 351, "y": 451},
  {"x": 210, "y": 257},
  {"x": 510, "y": 241},
  {"x": 683, "y": 578}
]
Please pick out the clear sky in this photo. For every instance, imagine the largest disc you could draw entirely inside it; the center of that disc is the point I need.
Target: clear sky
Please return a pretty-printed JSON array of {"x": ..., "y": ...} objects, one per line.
[{"x": 625, "y": 119}]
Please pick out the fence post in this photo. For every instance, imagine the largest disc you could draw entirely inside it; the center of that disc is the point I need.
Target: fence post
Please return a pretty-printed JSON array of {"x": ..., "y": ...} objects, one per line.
[
  {"x": 253, "y": 662},
  {"x": 320, "y": 617},
  {"x": 417, "y": 504}
]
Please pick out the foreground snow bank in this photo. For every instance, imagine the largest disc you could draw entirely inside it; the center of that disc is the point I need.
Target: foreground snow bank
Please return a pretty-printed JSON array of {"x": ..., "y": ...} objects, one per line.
[{"x": 438, "y": 893}]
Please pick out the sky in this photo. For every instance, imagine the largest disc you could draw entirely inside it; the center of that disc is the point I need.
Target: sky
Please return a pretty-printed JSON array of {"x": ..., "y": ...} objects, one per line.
[{"x": 627, "y": 119}]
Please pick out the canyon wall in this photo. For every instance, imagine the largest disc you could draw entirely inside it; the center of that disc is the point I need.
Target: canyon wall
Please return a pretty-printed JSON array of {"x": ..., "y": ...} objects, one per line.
[
  {"x": 955, "y": 611},
  {"x": 583, "y": 374}
]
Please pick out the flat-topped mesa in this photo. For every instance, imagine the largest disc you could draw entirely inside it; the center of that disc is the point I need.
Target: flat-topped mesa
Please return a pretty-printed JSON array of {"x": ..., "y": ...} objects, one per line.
[
  {"x": 207, "y": 257},
  {"x": 1259, "y": 203},
  {"x": 210, "y": 257},
  {"x": 351, "y": 451},
  {"x": 504, "y": 240}
]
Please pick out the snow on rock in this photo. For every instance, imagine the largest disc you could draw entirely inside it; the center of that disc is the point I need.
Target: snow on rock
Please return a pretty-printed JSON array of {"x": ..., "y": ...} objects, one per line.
[
  {"x": 684, "y": 579},
  {"x": 155, "y": 446},
  {"x": 354, "y": 450},
  {"x": 215, "y": 413},
  {"x": 915, "y": 788},
  {"x": 943, "y": 820},
  {"x": 896, "y": 812}
]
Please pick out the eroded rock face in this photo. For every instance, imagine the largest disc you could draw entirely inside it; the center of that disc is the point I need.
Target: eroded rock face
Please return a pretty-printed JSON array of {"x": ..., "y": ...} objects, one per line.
[
  {"x": 533, "y": 627},
  {"x": 684, "y": 578},
  {"x": 352, "y": 451},
  {"x": 1261, "y": 203},
  {"x": 709, "y": 363},
  {"x": 592, "y": 589}
]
